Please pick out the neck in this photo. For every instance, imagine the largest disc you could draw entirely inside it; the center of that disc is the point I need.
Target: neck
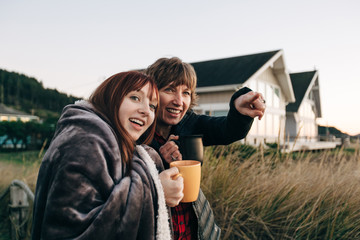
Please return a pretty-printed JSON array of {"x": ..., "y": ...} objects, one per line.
[{"x": 163, "y": 129}]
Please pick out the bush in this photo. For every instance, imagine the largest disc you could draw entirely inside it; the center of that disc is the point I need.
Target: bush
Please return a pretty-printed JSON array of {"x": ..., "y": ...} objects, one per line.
[{"x": 28, "y": 135}]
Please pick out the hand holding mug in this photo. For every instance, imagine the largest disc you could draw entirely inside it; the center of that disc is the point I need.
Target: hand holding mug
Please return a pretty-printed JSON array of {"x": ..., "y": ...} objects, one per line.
[
  {"x": 173, "y": 186},
  {"x": 170, "y": 150},
  {"x": 190, "y": 171}
]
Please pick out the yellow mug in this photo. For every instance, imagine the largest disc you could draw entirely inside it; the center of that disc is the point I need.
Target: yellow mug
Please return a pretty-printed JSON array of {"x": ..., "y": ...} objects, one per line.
[{"x": 190, "y": 170}]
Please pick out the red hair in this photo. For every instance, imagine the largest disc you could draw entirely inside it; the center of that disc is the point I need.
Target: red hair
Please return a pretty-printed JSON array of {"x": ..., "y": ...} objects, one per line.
[{"x": 107, "y": 99}]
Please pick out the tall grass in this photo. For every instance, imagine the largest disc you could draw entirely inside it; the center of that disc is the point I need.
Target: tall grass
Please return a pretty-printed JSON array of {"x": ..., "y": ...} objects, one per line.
[
  {"x": 256, "y": 193},
  {"x": 265, "y": 194},
  {"x": 23, "y": 166},
  {"x": 19, "y": 165}
]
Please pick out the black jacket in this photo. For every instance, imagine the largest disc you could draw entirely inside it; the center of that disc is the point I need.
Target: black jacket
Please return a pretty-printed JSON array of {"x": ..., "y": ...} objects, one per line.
[{"x": 215, "y": 131}]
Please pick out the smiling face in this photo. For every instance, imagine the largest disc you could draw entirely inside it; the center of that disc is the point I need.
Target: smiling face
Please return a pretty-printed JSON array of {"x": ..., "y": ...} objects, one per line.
[
  {"x": 137, "y": 111},
  {"x": 174, "y": 103}
]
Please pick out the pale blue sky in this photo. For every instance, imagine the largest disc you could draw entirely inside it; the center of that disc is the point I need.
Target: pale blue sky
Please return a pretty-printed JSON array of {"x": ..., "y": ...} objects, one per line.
[{"x": 72, "y": 45}]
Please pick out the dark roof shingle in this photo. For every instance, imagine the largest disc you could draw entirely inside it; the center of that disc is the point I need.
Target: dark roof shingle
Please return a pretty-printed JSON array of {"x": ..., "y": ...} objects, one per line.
[
  {"x": 228, "y": 71},
  {"x": 7, "y": 110},
  {"x": 300, "y": 83}
]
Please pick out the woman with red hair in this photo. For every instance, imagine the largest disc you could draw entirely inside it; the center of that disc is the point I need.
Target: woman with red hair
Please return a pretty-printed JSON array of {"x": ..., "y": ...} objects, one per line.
[{"x": 95, "y": 182}]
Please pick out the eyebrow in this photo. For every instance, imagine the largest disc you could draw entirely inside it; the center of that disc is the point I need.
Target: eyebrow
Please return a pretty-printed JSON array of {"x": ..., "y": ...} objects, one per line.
[
  {"x": 148, "y": 95},
  {"x": 139, "y": 90}
]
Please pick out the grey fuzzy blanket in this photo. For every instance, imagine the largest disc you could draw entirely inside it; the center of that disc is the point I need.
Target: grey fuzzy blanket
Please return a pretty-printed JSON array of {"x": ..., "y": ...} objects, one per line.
[{"x": 82, "y": 191}]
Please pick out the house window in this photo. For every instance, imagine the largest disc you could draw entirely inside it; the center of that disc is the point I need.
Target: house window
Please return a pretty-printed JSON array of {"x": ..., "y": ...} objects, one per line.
[
  {"x": 271, "y": 94},
  {"x": 217, "y": 113},
  {"x": 25, "y": 119},
  {"x": 270, "y": 124}
]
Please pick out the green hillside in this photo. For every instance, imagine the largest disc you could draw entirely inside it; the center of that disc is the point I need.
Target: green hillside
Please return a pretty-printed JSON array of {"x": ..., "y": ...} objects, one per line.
[{"x": 29, "y": 95}]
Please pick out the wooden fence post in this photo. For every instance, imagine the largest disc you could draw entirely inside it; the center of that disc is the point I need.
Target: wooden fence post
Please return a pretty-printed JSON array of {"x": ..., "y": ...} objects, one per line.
[{"x": 19, "y": 209}]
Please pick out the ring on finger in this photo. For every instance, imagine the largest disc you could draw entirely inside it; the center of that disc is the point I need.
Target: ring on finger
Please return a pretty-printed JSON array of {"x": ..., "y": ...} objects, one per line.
[{"x": 173, "y": 158}]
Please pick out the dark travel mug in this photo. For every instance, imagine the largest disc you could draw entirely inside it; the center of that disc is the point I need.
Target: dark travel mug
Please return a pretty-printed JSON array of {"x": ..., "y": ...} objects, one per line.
[{"x": 191, "y": 147}]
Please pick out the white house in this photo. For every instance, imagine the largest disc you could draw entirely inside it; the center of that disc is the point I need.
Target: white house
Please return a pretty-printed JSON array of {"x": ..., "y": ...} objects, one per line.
[
  {"x": 10, "y": 114},
  {"x": 301, "y": 115},
  {"x": 263, "y": 72},
  {"x": 13, "y": 115}
]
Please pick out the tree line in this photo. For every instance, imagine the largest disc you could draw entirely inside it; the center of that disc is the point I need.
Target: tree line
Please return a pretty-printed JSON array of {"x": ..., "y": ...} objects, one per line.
[
  {"x": 26, "y": 93},
  {"x": 29, "y": 95},
  {"x": 25, "y": 135}
]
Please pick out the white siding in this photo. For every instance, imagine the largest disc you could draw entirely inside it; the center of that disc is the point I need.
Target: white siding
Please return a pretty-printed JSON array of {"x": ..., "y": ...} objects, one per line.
[
  {"x": 307, "y": 121},
  {"x": 271, "y": 128},
  {"x": 214, "y": 104},
  {"x": 273, "y": 122}
]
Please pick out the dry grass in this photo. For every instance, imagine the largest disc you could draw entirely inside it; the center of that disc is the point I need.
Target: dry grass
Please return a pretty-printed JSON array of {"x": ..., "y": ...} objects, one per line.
[
  {"x": 257, "y": 193},
  {"x": 23, "y": 166},
  {"x": 269, "y": 195}
]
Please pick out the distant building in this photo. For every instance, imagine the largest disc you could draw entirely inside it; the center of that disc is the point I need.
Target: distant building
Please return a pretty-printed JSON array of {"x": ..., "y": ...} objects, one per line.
[
  {"x": 263, "y": 72},
  {"x": 10, "y": 114},
  {"x": 302, "y": 114}
]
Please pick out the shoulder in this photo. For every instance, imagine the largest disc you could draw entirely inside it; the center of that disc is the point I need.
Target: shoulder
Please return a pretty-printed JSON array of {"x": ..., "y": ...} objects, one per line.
[
  {"x": 83, "y": 119},
  {"x": 81, "y": 131},
  {"x": 189, "y": 118}
]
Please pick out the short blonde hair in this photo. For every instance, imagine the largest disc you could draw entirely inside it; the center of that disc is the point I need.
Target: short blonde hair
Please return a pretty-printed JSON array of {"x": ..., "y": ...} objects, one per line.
[{"x": 174, "y": 71}]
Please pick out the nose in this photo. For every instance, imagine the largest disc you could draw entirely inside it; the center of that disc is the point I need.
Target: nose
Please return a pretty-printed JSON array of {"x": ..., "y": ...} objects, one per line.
[
  {"x": 145, "y": 109},
  {"x": 178, "y": 98}
]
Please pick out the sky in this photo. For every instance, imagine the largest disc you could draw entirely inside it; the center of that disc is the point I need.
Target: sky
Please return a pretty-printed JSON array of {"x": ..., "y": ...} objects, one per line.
[{"x": 73, "y": 45}]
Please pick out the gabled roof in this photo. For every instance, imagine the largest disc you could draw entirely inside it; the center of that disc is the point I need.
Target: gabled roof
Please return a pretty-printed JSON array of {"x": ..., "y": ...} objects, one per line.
[
  {"x": 229, "y": 71},
  {"x": 303, "y": 83},
  {"x": 10, "y": 111}
]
